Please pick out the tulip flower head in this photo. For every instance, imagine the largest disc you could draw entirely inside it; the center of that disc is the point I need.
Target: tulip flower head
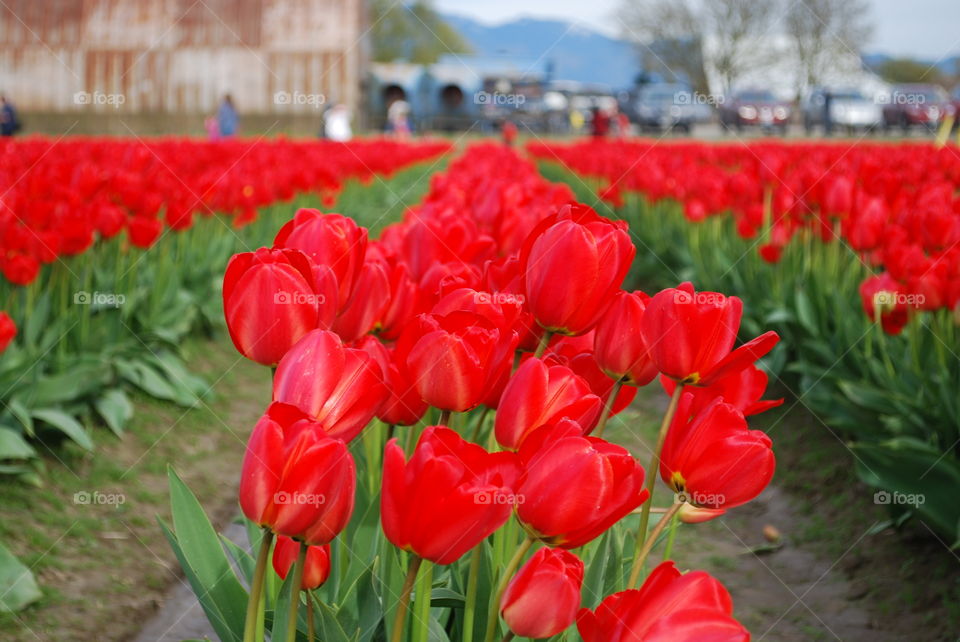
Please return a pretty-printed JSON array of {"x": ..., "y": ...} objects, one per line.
[
  {"x": 680, "y": 607},
  {"x": 575, "y": 487},
  {"x": 338, "y": 387},
  {"x": 448, "y": 497},
  {"x": 714, "y": 460},
  {"x": 573, "y": 263},
  {"x": 690, "y": 335},
  {"x": 296, "y": 480},
  {"x": 543, "y": 597}
]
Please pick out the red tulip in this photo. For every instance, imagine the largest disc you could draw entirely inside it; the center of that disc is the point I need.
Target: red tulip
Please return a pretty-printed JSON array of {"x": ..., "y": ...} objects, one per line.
[
  {"x": 741, "y": 389},
  {"x": 715, "y": 460},
  {"x": 339, "y": 388},
  {"x": 20, "y": 269},
  {"x": 369, "y": 298},
  {"x": 455, "y": 359},
  {"x": 574, "y": 353},
  {"x": 8, "y": 330},
  {"x": 402, "y": 405},
  {"x": 690, "y": 335},
  {"x": 669, "y": 607},
  {"x": 295, "y": 479},
  {"x": 448, "y": 497},
  {"x": 619, "y": 347},
  {"x": 316, "y": 570},
  {"x": 333, "y": 240},
  {"x": 543, "y": 597},
  {"x": 574, "y": 488},
  {"x": 143, "y": 231},
  {"x": 573, "y": 263},
  {"x": 539, "y": 394},
  {"x": 271, "y": 298},
  {"x": 881, "y": 296}
]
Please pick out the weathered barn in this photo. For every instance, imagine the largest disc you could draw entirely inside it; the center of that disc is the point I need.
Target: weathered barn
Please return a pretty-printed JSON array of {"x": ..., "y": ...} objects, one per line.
[{"x": 181, "y": 56}]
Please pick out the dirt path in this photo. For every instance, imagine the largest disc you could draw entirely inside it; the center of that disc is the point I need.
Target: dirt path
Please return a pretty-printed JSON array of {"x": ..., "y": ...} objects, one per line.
[{"x": 833, "y": 575}]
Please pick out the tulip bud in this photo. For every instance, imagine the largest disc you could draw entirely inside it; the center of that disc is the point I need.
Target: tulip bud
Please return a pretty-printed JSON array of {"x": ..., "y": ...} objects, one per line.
[
  {"x": 543, "y": 597},
  {"x": 295, "y": 479},
  {"x": 271, "y": 298},
  {"x": 573, "y": 263},
  {"x": 619, "y": 347},
  {"x": 317, "y": 567}
]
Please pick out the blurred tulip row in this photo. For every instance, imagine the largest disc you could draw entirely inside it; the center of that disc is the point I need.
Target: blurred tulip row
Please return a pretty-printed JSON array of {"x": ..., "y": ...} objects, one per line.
[
  {"x": 436, "y": 463},
  {"x": 850, "y": 251},
  {"x": 111, "y": 254}
]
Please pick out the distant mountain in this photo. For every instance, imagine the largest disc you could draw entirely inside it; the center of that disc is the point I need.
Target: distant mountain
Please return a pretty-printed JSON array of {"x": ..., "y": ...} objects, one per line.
[{"x": 575, "y": 53}]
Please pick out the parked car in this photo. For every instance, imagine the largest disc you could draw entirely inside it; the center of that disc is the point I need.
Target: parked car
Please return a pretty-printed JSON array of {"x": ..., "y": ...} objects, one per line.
[
  {"x": 664, "y": 106},
  {"x": 755, "y": 108},
  {"x": 849, "y": 110},
  {"x": 916, "y": 105}
]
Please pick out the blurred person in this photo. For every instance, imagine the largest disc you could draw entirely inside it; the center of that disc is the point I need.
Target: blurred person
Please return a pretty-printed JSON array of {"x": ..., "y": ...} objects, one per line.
[
  {"x": 337, "y": 124},
  {"x": 509, "y": 133},
  {"x": 227, "y": 119},
  {"x": 9, "y": 123},
  {"x": 398, "y": 118},
  {"x": 212, "y": 126},
  {"x": 600, "y": 125},
  {"x": 827, "y": 116},
  {"x": 576, "y": 121}
]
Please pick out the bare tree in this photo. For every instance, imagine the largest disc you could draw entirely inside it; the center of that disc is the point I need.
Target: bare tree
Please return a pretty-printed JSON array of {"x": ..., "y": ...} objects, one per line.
[
  {"x": 678, "y": 31},
  {"x": 824, "y": 30},
  {"x": 737, "y": 29}
]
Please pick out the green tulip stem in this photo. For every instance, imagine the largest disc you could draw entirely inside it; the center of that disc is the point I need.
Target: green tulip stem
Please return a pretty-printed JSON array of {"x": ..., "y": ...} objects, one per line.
[
  {"x": 310, "y": 626},
  {"x": 652, "y": 471},
  {"x": 421, "y": 624},
  {"x": 473, "y": 581},
  {"x": 295, "y": 598},
  {"x": 648, "y": 545},
  {"x": 444, "y": 418},
  {"x": 401, "y": 617},
  {"x": 255, "y": 602},
  {"x": 508, "y": 572},
  {"x": 608, "y": 407},
  {"x": 508, "y": 636},
  {"x": 671, "y": 537},
  {"x": 544, "y": 342}
]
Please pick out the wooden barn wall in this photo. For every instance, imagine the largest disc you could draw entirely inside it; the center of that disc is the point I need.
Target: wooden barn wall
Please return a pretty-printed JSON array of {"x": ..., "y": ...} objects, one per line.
[{"x": 180, "y": 56}]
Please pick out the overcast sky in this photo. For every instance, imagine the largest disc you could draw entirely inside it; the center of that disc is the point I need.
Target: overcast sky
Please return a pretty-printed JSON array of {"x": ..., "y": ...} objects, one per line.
[{"x": 920, "y": 28}]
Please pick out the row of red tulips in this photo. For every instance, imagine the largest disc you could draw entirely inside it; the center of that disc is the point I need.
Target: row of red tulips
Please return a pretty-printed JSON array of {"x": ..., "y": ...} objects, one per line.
[
  {"x": 495, "y": 295},
  {"x": 896, "y": 206},
  {"x": 61, "y": 196},
  {"x": 825, "y": 218}
]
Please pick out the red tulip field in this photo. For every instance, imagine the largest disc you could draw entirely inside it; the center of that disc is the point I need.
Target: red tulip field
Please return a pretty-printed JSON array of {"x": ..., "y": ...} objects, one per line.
[{"x": 491, "y": 393}]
